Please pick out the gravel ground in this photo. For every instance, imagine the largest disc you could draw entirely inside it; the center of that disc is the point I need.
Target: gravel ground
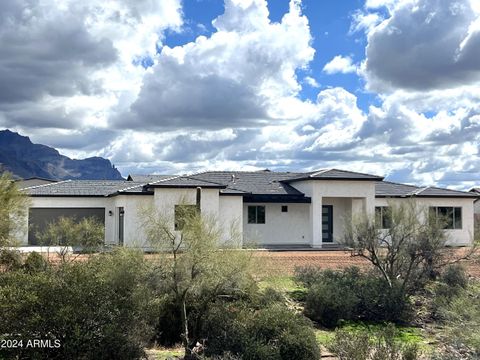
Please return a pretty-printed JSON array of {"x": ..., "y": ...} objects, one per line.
[{"x": 276, "y": 263}]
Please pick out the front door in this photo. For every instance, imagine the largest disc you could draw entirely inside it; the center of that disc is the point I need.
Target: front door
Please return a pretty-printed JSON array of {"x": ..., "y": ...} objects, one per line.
[{"x": 327, "y": 223}]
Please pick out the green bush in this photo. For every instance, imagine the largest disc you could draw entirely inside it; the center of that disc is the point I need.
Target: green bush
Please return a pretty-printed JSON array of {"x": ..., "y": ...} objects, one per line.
[
  {"x": 10, "y": 260},
  {"x": 271, "y": 333},
  {"x": 348, "y": 345},
  {"x": 98, "y": 309},
  {"x": 349, "y": 294},
  {"x": 35, "y": 262},
  {"x": 455, "y": 276}
]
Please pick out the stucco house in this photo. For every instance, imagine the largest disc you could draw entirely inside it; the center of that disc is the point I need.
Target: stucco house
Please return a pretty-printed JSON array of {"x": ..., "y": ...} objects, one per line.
[
  {"x": 476, "y": 204},
  {"x": 271, "y": 209}
]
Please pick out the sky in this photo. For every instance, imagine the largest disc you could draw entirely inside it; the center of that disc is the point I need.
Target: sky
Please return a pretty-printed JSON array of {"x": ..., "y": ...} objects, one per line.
[{"x": 386, "y": 87}]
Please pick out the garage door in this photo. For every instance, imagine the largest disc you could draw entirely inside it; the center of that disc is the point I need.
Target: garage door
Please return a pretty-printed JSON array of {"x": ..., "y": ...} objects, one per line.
[{"x": 39, "y": 218}]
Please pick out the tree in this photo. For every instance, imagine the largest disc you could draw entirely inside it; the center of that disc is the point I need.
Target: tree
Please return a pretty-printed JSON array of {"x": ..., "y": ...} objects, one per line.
[
  {"x": 192, "y": 261},
  {"x": 406, "y": 245},
  {"x": 66, "y": 232},
  {"x": 13, "y": 210}
]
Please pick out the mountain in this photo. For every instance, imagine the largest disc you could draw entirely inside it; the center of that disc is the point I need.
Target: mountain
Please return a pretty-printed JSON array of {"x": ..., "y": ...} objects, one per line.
[{"x": 25, "y": 159}]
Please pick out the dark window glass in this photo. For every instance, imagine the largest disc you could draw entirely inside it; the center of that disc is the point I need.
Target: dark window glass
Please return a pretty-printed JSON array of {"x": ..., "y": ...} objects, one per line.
[
  {"x": 451, "y": 217},
  {"x": 256, "y": 214},
  {"x": 458, "y": 218},
  {"x": 182, "y": 214},
  {"x": 383, "y": 217},
  {"x": 284, "y": 208}
]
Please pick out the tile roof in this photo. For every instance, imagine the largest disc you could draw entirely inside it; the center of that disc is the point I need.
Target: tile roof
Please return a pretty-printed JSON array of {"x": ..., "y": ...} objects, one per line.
[
  {"x": 84, "y": 188},
  {"x": 252, "y": 182},
  {"x": 391, "y": 189},
  {"x": 185, "y": 182},
  {"x": 336, "y": 174},
  {"x": 148, "y": 178}
]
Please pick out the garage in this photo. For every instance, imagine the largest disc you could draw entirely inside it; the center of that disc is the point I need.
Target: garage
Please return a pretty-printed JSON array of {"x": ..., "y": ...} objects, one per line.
[{"x": 39, "y": 218}]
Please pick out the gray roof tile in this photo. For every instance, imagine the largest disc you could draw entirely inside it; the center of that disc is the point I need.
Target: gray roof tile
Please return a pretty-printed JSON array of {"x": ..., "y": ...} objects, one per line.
[{"x": 391, "y": 189}]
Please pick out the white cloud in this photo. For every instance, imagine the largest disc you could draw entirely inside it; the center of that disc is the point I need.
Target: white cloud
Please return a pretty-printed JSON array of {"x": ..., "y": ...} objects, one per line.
[
  {"x": 340, "y": 64},
  {"x": 233, "y": 78},
  {"x": 311, "y": 81}
]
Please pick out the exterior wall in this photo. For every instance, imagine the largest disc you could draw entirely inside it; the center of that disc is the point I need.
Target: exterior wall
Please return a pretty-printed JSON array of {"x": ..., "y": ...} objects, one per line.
[
  {"x": 280, "y": 228},
  {"x": 456, "y": 237},
  {"x": 230, "y": 215},
  {"x": 133, "y": 206},
  {"x": 361, "y": 195}
]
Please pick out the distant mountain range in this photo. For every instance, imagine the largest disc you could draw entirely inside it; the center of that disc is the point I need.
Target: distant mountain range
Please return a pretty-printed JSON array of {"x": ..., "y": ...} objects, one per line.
[{"x": 25, "y": 159}]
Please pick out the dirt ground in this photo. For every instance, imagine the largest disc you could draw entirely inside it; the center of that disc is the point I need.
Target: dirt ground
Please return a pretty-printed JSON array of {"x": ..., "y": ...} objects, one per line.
[{"x": 277, "y": 263}]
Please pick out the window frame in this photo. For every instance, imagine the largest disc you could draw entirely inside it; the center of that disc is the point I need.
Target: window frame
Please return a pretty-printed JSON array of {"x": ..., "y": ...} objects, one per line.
[
  {"x": 383, "y": 217},
  {"x": 455, "y": 212},
  {"x": 257, "y": 215}
]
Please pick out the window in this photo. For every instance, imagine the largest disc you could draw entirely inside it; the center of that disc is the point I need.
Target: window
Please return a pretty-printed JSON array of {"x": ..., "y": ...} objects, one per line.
[
  {"x": 383, "y": 217},
  {"x": 284, "y": 208},
  {"x": 256, "y": 214},
  {"x": 182, "y": 214},
  {"x": 450, "y": 216}
]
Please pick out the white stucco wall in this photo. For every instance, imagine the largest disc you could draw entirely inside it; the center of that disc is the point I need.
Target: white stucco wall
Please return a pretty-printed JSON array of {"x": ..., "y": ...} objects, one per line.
[
  {"x": 291, "y": 227},
  {"x": 361, "y": 195},
  {"x": 456, "y": 237},
  {"x": 230, "y": 217}
]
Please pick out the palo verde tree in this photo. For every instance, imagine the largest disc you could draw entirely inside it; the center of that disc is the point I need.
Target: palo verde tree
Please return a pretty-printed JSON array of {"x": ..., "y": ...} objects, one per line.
[
  {"x": 406, "y": 243},
  {"x": 193, "y": 265},
  {"x": 13, "y": 210}
]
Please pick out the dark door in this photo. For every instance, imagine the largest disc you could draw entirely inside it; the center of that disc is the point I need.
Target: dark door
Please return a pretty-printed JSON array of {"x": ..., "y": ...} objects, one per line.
[
  {"x": 327, "y": 223},
  {"x": 121, "y": 225}
]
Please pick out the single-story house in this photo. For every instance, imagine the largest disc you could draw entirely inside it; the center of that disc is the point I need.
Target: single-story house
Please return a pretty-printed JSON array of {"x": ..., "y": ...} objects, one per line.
[
  {"x": 271, "y": 209},
  {"x": 476, "y": 204}
]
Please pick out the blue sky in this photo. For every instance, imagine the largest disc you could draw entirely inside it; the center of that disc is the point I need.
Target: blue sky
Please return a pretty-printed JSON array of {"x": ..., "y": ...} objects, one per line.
[{"x": 388, "y": 87}]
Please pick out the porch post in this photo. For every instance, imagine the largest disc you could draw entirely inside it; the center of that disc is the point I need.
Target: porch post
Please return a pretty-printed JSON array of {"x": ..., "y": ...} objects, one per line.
[{"x": 316, "y": 220}]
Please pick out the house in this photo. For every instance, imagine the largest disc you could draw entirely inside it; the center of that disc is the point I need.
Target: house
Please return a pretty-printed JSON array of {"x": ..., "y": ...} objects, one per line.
[
  {"x": 272, "y": 209},
  {"x": 33, "y": 181},
  {"x": 476, "y": 204}
]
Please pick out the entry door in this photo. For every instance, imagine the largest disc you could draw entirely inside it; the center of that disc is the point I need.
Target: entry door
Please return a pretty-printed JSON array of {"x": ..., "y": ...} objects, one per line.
[
  {"x": 121, "y": 225},
  {"x": 327, "y": 223}
]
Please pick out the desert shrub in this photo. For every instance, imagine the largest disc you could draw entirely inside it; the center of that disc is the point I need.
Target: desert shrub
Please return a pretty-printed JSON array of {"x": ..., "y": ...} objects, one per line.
[
  {"x": 10, "y": 260},
  {"x": 455, "y": 276},
  {"x": 35, "y": 262},
  {"x": 348, "y": 345},
  {"x": 274, "y": 332},
  {"x": 460, "y": 317},
  {"x": 96, "y": 309},
  {"x": 309, "y": 275},
  {"x": 349, "y": 294}
]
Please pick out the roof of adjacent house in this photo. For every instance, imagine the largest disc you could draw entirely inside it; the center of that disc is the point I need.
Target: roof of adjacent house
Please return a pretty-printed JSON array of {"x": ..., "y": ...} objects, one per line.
[
  {"x": 253, "y": 185},
  {"x": 391, "y": 189}
]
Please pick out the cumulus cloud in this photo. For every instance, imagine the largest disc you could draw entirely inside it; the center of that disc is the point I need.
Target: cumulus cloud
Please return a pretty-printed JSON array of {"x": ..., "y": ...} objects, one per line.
[
  {"x": 232, "y": 78},
  {"x": 424, "y": 45},
  {"x": 64, "y": 64},
  {"x": 340, "y": 64}
]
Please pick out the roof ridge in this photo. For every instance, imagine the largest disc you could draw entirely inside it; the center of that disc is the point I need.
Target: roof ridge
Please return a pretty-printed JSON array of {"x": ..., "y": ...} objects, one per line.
[
  {"x": 419, "y": 191},
  {"x": 44, "y": 185},
  {"x": 323, "y": 171}
]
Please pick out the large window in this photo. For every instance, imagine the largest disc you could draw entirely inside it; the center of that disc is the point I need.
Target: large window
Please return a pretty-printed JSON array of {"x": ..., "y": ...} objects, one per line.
[
  {"x": 383, "y": 217},
  {"x": 451, "y": 217},
  {"x": 182, "y": 214},
  {"x": 256, "y": 214}
]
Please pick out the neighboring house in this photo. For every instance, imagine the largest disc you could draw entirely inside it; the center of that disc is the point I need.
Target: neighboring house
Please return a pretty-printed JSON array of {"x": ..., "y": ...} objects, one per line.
[
  {"x": 33, "y": 181},
  {"x": 272, "y": 209},
  {"x": 476, "y": 205}
]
